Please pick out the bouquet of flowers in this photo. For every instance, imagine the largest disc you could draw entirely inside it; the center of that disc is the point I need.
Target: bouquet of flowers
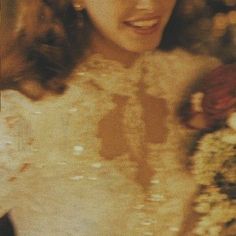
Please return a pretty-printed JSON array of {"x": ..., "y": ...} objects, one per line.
[{"x": 213, "y": 109}]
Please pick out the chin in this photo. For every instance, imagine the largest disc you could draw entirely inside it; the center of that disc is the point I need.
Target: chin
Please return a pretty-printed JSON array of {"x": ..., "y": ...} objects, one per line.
[{"x": 143, "y": 46}]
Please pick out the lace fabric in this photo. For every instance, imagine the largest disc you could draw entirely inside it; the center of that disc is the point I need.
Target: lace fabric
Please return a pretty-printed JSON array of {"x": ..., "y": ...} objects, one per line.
[
  {"x": 112, "y": 147},
  {"x": 141, "y": 85}
]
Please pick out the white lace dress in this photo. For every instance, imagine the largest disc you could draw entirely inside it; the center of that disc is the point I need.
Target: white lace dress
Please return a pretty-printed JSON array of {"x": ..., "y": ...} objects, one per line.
[{"x": 107, "y": 158}]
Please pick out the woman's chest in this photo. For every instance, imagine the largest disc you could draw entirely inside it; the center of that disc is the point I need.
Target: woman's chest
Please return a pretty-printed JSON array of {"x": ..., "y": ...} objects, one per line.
[
  {"x": 110, "y": 157},
  {"x": 136, "y": 129},
  {"x": 94, "y": 113}
]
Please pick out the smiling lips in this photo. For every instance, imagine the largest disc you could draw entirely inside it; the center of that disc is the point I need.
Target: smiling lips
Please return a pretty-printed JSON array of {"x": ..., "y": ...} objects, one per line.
[{"x": 146, "y": 25}]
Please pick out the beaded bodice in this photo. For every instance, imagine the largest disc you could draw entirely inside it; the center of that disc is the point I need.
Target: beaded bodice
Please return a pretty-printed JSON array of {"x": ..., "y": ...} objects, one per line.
[{"x": 106, "y": 158}]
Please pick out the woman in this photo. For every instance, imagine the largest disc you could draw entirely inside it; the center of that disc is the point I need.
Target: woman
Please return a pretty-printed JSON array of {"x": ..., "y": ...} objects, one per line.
[{"x": 108, "y": 156}]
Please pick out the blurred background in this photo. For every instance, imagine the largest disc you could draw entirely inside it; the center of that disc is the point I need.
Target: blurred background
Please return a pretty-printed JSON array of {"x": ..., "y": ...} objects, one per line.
[{"x": 208, "y": 27}]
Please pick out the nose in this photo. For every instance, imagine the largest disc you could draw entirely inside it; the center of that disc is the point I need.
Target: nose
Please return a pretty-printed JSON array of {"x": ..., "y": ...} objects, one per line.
[{"x": 145, "y": 4}]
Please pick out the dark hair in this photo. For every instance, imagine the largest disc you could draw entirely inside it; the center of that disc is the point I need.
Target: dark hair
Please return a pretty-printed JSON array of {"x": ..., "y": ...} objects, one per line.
[
  {"x": 6, "y": 226},
  {"x": 170, "y": 37},
  {"x": 50, "y": 41}
]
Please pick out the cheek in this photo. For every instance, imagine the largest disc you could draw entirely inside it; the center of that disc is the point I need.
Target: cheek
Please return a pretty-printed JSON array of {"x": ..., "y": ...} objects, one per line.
[
  {"x": 108, "y": 27},
  {"x": 103, "y": 15}
]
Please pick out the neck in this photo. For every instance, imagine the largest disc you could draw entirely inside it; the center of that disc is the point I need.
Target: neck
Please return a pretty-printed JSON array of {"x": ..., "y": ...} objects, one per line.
[{"x": 111, "y": 51}]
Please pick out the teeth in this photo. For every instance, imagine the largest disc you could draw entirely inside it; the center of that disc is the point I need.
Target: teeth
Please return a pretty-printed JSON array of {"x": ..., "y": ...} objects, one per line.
[{"x": 144, "y": 23}]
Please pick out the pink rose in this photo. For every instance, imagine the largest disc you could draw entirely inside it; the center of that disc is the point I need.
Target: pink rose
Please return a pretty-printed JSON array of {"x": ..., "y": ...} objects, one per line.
[{"x": 219, "y": 89}]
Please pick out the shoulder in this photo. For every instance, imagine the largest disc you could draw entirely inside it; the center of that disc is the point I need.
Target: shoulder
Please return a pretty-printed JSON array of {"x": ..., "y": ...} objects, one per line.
[
  {"x": 179, "y": 57},
  {"x": 183, "y": 63},
  {"x": 13, "y": 101},
  {"x": 178, "y": 70}
]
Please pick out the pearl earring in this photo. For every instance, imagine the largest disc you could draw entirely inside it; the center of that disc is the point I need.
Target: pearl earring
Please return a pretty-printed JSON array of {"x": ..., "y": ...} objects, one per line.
[
  {"x": 80, "y": 16},
  {"x": 78, "y": 6}
]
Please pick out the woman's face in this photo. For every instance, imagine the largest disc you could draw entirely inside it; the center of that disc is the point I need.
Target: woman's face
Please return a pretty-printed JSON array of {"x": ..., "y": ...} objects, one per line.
[{"x": 133, "y": 25}]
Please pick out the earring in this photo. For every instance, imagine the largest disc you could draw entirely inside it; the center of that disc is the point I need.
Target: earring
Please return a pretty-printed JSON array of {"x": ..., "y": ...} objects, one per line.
[{"x": 78, "y": 6}]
